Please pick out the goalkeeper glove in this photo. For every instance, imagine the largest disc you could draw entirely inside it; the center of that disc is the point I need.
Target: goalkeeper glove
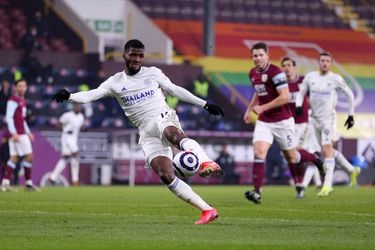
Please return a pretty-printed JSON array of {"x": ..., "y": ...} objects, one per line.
[
  {"x": 61, "y": 95},
  {"x": 213, "y": 109},
  {"x": 349, "y": 122}
]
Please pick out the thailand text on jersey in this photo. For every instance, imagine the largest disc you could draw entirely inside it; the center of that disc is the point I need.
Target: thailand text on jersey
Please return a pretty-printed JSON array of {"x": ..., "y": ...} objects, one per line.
[{"x": 266, "y": 83}]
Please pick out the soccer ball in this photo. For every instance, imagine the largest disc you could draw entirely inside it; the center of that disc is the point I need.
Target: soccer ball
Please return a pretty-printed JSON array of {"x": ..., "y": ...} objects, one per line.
[{"x": 185, "y": 164}]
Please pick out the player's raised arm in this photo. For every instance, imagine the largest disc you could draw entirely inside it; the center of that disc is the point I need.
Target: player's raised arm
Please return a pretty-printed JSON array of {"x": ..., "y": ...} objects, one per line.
[
  {"x": 80, "y": 97},
  {"x": 84, "y": 96},
  {"x": 186, "y": 96}
]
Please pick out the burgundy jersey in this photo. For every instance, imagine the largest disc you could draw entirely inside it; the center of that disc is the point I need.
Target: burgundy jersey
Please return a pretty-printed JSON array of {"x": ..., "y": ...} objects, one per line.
[
  {"x": 266, "y": 83},
  {"x": 19, "y": 115},
  {"x": 293, "y": 91}
]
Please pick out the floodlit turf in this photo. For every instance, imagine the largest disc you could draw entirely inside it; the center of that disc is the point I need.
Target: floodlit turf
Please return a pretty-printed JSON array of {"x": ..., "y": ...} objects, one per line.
[{"x": 150, "y": 217}]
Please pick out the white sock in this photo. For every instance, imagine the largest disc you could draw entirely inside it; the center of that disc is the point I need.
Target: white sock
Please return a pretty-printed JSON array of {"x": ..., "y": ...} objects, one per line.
[
  {"x": 188, "y": 144},
  {"x": 330, "y": 165},
  {"x": 309, "y": 173},
  {"x": 60, "y": 165},
  {"x": 343, "y": 162},
  {"x": 74, "y": 169},
  {"x": 184, "y": 192},
  {"x": 317, "y": 179}
]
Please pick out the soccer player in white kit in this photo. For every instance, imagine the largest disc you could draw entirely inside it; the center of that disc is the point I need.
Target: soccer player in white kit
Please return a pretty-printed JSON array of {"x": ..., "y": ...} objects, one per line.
[
  {"x": 71, "y": 123},
  {"x": 138, "y": 90},
  {"x": 322, "y": 86}
]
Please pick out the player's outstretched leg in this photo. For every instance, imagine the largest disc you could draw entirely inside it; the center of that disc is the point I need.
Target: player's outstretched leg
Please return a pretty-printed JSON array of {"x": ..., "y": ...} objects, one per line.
[
  {"x": 162, "y": 166},
  {"x": 176, "y": 137},
  {"x": 208, "y": 167},
  {"x": 207, "y": 216},
  {"x": 184, "y": 192}
]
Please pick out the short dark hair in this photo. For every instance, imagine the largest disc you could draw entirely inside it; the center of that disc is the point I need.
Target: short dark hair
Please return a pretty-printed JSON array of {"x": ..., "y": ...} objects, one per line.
[
  {"x": 19, "y": 80},
  {"x": 288, "y": 59},
  {"x": 133, "y": 43},
  {"x": 260, "y": 45},
  {"x": 325, "y": 53}
]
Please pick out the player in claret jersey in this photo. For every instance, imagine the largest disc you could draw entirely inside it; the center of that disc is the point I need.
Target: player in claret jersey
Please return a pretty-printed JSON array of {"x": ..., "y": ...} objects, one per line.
[
  {"x": 138, "y": 90},
  {"x": 20, "y": 138},
  {"x": 294, "y": 80},
  {"x": 270, "y": 102}
]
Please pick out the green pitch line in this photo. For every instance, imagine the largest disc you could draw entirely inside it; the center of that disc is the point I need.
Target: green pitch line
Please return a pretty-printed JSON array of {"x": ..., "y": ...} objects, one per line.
[{"x": 150, "y": 217}]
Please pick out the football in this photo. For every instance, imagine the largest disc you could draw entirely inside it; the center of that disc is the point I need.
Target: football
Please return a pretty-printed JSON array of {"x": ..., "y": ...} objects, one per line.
[{"x": 185, "y": 164}]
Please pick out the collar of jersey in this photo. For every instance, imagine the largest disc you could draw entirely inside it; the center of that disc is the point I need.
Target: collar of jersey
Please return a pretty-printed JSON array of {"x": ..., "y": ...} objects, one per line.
[{"x": 265, "y": 69}]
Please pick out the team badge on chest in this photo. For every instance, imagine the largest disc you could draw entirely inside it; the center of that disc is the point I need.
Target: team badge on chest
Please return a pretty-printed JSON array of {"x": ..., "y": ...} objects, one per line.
[
  {"x": 148, "y": 82},
  {"x": 264, "y": 77}
]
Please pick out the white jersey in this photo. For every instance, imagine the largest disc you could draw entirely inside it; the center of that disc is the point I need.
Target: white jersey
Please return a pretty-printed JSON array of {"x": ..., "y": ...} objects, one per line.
[
  {"x": 72, "y": 123},
  {"x": 139, "y": 95},
  {"x": 323, "y": 94}
]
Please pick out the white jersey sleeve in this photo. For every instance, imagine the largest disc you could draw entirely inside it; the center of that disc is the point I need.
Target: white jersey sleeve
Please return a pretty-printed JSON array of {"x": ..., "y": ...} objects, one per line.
[
  {"x": 303, "y": 89},
  {"x": 341, "y": 85},
  {"x": 102, "y": 91},
  {"x": 177, "y": 91}
]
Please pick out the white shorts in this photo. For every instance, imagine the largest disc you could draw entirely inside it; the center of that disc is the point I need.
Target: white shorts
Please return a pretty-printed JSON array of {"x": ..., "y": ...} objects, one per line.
[
  {"x": 151, "y": 139},
  {"x": 21, "y": 148},
  {"x": 69, "y": 144},
  {"x": 283, "y": 131},
  {"x": 311, "y": 142},
  {"x": 324, "y": 130},
  {"x": 301, "y": 133}
]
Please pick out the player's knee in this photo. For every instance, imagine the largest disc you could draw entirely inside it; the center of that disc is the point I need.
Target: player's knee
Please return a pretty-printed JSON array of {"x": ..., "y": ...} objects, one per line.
[
  {"x": 166, "y": 175},
  {"x": 174, "y": 136},
  {"x": 14, "y": 159},
  {"x": 292, "y": 159},
  {"x": 260, "y": 153},
  {"x": 29, "y": 158}
]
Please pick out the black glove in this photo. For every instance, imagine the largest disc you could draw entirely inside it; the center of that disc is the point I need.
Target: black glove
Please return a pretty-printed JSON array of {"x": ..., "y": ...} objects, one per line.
[
  {"x": 61, "y": 95},
  {"x": 213, "y": 109},
  {"x": 349, "y": 122},
  {"x": 298, "y": 111}
]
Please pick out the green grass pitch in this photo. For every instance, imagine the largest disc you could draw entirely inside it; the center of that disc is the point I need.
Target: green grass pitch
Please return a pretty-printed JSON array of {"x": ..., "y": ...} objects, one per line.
[{"x": 150, "y": 217}]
